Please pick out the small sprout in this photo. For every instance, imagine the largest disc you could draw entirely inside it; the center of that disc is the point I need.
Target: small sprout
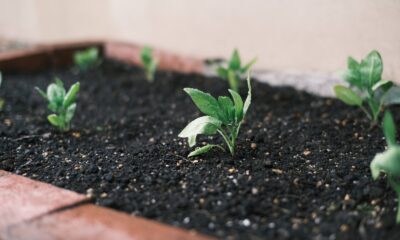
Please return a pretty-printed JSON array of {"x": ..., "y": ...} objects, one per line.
[
  {"x": 149, "y": 64},
  {"x": 389, "y": 161},
  {"x": 367, "y": 88},
  {"x": 61, "y": 103},
  {"x": 87, "y": 58},
  {"x": 234, "y": 70},
  {"x": 223, "y": 116},
  {"x": 1, "y": 100}
]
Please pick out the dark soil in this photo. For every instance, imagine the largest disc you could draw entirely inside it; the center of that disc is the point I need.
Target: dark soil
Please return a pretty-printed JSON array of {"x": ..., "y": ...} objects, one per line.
[{"x": 301, "y": 169}]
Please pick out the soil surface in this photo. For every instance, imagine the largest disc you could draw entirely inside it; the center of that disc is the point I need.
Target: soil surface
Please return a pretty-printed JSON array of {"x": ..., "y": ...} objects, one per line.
[{"x": 301, "y": 169}]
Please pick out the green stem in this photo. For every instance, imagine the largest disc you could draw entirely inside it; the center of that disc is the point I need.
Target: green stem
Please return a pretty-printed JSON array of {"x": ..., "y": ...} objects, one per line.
[{"x": 227, "y": 141}]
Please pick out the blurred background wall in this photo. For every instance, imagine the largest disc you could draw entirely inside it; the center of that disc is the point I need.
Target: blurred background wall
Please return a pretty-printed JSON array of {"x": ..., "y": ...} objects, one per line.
[{"x": 303, "y": 35}]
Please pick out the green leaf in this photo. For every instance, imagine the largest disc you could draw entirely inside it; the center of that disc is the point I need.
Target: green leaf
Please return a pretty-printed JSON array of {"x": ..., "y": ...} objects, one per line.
[
  {"x": 237, "y": 99},
  {"x": 352, "y": 64},
  {"x": 371, "y": 69},
  {"x": 248, "y": 66},
  {"x": 347, "y": 96},
  {"x": 389, "y": 129},
  {"x": 71, "y": 95},
  {"x": 222, "y": 72},
  {"x": 202, "y": 150},
  {"x": 201, "y": 125},
  {"x": 43, "y": 94},
  {"x": 233, "y": 80},
  {"x": 226, "y": 104},
  {"x": 206, "y": 103},
  {"x": 55, "y": 93},
  {"x": 55, "y": 120},
  {"x": 235, "y": 63},
  {"x": 146, "y": 55},
  {"x": 388, "y": 161},
  {"x": 392, "y": 96},
  {"x": 69, "y": 114},
  {"x": 247, "y": 102},
  {"x": 86, "y": 58},
  {"x": 384, "y": 85}
]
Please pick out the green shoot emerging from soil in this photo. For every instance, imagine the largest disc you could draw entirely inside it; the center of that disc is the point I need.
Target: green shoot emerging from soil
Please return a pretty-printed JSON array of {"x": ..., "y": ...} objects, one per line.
[
  {"x": 234, "y": 70},
  {"x": 389, "y": 161},
  {"x": 223, "y": 116},
  {"x": 87, "y": 58},
  {"x": 61, "y": 103},
  {"x": 367, "y": 88},
  {"x": 1, "y": 100},
  {"x": 149, "y": 64}
]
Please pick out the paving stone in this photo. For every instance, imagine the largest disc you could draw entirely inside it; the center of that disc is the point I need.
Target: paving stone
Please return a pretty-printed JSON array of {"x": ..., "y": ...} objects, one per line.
[
  {"x": 93, "y": 222},
  {"x": 22, "y": 199}
]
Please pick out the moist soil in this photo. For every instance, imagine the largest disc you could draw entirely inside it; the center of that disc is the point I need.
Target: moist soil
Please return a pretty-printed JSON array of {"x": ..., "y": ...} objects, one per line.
[{"x": 301, "y": 170}]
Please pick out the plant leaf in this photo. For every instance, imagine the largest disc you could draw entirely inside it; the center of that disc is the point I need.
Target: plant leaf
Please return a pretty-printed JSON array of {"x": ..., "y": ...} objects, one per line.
[
  {"x": 56, "y": 93},
  {"x": 388, "y": 161},
  {"x": 69, "y": 114},
  {"x": 234, "y": 80},
  {"x": 71, "y": 95},
  {"x": 384, "y": 85},
  {"x": 40, "y": 91},
  {"x": 201, "y": 125},
  {"x": 226, "y": 104},
  {"x": 206, "y": 103},
  {"x": 371, "y": 69},
  {"x": 392, "y": 96},
  {"x": 247, "y": 102},
  {"x": 347, "y": 96},
  {"x": 54, "y": 120},
  {"x": 235, "y": 63},
  {"x": 248, "y": 66},
  {"x": 237, "y": 99},
  {"x": 389, "y": 129},
  {"x": 222, "y": 72},
  {"x": 202, "y": 150}
]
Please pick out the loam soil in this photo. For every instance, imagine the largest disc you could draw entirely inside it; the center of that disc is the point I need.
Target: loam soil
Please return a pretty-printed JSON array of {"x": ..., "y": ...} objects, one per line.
[{"x": 301, "y": 169}]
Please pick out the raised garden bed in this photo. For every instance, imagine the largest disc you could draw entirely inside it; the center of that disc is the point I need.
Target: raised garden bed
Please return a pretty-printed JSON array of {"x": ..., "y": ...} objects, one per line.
[{"x": 301, "y": 168}]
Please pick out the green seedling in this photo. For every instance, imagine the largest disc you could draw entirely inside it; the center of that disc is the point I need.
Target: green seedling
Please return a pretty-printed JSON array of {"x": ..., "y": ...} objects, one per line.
[
  {"x": 1, "y": 100},
  {"x": 389, "y": 161},
  {"x": 62, "y": 104},
  {"x": 234, "y": 70},
  {"x": 149, "y": 63},
  {"x": 87, "y": 58},
  {"x": 367, "y": 89},
  {"x": 223, "y": 116}
]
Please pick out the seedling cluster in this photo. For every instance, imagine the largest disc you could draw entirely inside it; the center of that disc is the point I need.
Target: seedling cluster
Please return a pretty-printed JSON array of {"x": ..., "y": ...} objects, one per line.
[
  {"x": 149, "y": 63},
  {"x": 367, "y": 89},
  {"x": 61, "y": 103},
  {"x": 234, "y": 70},
  {"x": 223, "y": 116}
]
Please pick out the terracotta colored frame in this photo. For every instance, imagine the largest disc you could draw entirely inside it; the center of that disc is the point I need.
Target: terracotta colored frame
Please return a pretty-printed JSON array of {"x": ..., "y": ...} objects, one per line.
[{"x": 34, "y": 210}]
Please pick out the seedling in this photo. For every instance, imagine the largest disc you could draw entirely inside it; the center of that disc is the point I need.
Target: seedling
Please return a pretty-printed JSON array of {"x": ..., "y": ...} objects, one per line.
[
  {"x": 223, "y": 116},
  {"x": 61, "y": 103},
  {"x": 149, "y": 64},
  {"x": 367, "y": 88},
  {"x": 234, "y": 70},
  {"x": 1, "y": 100},
  {"x": 87, "y": 58},
  {"x": 389, "y": 161}
]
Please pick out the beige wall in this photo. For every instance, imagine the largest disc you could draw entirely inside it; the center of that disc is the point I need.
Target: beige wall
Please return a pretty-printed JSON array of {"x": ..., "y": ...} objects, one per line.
[{"x": 305, "y": 35}]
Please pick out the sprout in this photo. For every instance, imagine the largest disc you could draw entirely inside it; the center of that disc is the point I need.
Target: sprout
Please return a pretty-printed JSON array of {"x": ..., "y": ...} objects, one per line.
[
  {"x": 87, "y": 58},
  {"x": 223, "y": 116},
  {"x": 149, "y": 64},
  {"x": 61, "y": 103}
]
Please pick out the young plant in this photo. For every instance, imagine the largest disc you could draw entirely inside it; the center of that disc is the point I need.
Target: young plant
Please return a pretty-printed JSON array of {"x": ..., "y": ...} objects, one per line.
[
  {"x": 389, "y": 161},
  {"x": 87, "y": 58},
  {"x": 367, "y": 88},
  {"x": 1, "y": 100},
  {"x": 61, "y": 103},
  {"x": 149, "y": 63},
  {"x": 223, "y": 116},
  {"x": 234, "y": 70}
]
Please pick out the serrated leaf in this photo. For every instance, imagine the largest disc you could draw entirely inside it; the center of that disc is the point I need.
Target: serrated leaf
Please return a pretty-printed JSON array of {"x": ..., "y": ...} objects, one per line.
[
  {"x": 235, "y": 63},
  {"x": 206, "y": 103},
  {"x": 389, "y": 129},
  {"x": 347, "y": 95},
  {"x": 371, "y": 68},
  {"x": 202, "y": 150},
  {"x": 69, "y": 114},
  {"x": 201, "y": 125},
  {"x": 71, "y": 95},
  {"x": 55, "y": 120},
  {"x": 237, "y": 99},
  {"x": 247, "y": 102},
  {"x": 388, "y": 161}
]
